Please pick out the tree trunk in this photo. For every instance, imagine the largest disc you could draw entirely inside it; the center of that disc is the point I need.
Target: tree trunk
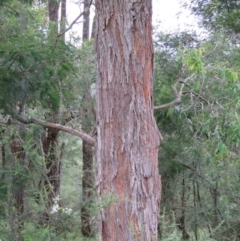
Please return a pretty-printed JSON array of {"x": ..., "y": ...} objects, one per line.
[
  {"x": 127, "y": 178},
  {"x": 18, "y": 183},
  {"x": 63, "y": 17},
  {"x": 51, "y": 182},
  {"x": 53, "y": 7},
  {"x": 87, "y": 190},
  {"x": 93, "y": 28},
  {"x": 86, "y": 14},
  {"x": 88, "y": 174},
  {"x": 181, "y": 220}
]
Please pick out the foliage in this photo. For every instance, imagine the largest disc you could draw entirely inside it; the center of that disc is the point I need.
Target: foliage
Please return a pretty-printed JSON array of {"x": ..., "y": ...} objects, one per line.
[
  {"x": 218, "y": 14},
  {"x": 25, "y": 73},
  {"x": 49, "y": 79},
  {"x": 199, "y": 154}
]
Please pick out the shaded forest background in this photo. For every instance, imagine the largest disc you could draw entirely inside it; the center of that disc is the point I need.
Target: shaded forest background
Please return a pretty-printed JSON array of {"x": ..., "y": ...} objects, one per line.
[{"x": 46, "y": 176}]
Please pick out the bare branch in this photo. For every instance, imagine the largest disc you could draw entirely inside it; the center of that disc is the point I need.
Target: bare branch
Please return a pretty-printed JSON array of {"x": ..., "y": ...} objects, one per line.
[
  {"x": 84, "y": 136},
  {"x": 196, "y": 94},
  {"x": 177, "y": 100},
  {"x": 74, "y": 21},
  {"x": 178, "y": 95}
]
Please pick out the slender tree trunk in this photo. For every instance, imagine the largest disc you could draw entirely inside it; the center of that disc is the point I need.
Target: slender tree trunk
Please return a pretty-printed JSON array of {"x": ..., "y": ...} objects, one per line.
[
  {"x": 87, "y": 190},
  {"x": 214, "y": 193},
  {"x": 63, "y": 17},
  {"x": 3, "y": 152},
  {"x": 53, "y": 7},
  {"x": 16, "y": 206},
  {"x": 93, "y": 28},
  {"x": 3, "y": 179},
  {"x": 127, "y": 178},
  {"x": 86, "y": 20},
  {"x": 181, "y": 221},
  {"x": 195, "y": 214},
  {"x": 88, "y": 172},
  {"x": 51, "y": 183},
  {"x": 87, "y": 149}
]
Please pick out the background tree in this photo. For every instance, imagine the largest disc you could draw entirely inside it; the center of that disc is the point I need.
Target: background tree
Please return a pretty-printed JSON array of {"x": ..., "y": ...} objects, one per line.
[{"x": 194, "y": 184}]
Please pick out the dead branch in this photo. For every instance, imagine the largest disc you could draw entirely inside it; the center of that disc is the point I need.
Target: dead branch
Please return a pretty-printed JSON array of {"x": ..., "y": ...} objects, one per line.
[
  {"x": 177, "y": 100},
  {"x": 84, "y": 136}
]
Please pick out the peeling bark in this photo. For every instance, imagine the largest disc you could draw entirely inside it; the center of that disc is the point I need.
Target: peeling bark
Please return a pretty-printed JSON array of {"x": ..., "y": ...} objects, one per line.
[{"x": 127, "y": 136}]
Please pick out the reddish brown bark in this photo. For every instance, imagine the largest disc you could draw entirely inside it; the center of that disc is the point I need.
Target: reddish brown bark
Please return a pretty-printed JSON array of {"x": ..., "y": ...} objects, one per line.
[{"x": 128, "y": 138}]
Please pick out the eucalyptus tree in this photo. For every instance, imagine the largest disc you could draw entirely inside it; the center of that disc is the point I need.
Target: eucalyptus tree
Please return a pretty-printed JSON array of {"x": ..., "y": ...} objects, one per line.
[
  {"x": 217, "y": 14},
  {"x": 202, "y": 127},
  {"x": 127, "y": 136}
]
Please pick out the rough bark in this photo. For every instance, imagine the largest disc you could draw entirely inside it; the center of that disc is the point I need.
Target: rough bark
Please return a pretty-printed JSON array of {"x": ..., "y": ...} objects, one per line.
[{"x": 127, "y": 177}]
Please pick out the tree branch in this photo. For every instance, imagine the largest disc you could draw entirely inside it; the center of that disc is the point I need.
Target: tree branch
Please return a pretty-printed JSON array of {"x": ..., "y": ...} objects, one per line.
[
  {"x": 192, "y": 92},
  {"x": 74, "y": 21},
  {"x": 177, "y": 100},
  {"x": 84, "y": 136}
]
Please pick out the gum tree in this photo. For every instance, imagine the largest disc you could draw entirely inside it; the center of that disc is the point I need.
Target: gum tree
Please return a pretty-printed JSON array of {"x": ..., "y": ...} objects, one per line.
[{"x": 127, "y": 135}]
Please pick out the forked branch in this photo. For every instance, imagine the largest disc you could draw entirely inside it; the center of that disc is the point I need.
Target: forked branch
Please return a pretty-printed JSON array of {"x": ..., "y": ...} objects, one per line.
[{"x": 178, "y": 98}]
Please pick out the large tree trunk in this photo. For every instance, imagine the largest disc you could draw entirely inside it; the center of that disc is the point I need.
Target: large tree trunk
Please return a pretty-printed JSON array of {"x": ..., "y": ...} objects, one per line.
[{"x": 127, "y": 178}]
